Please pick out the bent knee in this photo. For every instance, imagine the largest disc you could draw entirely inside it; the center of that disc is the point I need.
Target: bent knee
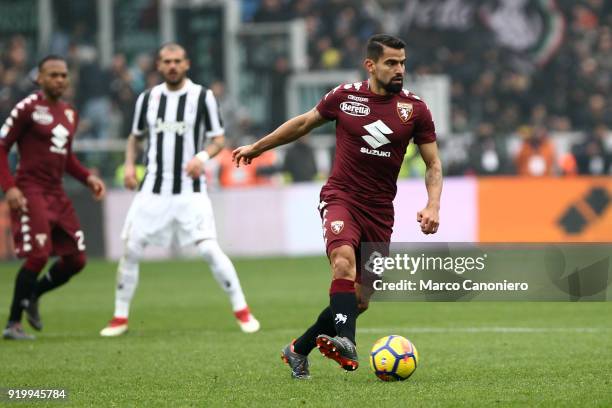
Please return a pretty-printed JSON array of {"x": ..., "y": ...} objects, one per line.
[
  {"x": 36, "y": 263},
  {"x": 74, "y": 262},
  {"x": 342, "y": 261},
  {"x": 133, "y": 251}
]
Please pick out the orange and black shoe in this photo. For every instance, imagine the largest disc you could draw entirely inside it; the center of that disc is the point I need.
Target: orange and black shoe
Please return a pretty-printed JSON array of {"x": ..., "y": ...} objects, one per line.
[
  {"x": 339, "y": 349},
  {"x": 298, "y": 363}
]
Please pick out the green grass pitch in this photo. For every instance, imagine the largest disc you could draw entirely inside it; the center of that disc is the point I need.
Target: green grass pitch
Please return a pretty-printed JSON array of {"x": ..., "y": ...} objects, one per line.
[{"x": 184, "y": 348}]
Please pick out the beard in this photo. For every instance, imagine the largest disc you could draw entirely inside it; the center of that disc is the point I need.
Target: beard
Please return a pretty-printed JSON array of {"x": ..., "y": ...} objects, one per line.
[
  {"x": 174, "y": 81},
  {"x": 392, "y": 86}
]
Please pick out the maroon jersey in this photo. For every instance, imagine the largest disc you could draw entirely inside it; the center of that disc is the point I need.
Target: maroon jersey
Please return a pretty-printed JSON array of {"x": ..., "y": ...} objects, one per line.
[
  {"x": 44, "y": 132},
  {"x": 372, "y": 134}
]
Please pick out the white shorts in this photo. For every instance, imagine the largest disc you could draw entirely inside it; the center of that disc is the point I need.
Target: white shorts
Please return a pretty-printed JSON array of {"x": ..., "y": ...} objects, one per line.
[{"x": 154, "y": 219}]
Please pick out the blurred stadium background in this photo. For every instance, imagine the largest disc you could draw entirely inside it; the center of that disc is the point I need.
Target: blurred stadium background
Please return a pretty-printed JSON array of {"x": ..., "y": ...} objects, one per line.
[
  {"x": 519, "y": 90},
  {"x": 520, "y": 93}
]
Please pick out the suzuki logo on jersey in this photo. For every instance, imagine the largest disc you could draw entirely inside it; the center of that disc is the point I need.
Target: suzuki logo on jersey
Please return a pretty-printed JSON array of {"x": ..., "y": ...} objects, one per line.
[
  {"x": 376, "y": 138},
  {"x": 59, "y": 139},
  {"x": 404, "y": 110},
  {"x": 171, "y": 127},
  {"x": 355, "y": 108}
]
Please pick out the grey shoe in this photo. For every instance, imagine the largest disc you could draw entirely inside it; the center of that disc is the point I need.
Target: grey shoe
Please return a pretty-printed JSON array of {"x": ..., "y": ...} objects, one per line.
[
  {"x": 14, "y": 331},
  {"x": 298, "y": 363},
  {"x": 339, "y": 349},
  {"x": 30, "y": 306}
]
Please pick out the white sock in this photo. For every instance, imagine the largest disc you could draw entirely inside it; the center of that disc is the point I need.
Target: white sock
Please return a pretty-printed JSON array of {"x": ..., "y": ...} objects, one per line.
[
  {"x": 224, "y": 272},
  {"x": 127, "y": 279}
]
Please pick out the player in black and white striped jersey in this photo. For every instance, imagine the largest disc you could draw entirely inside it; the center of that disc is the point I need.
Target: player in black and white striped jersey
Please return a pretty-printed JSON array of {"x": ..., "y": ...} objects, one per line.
[{"x": 177, "y": 118}]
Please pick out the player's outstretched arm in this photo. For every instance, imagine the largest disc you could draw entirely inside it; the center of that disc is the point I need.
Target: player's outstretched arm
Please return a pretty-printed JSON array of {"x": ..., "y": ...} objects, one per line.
[
  {"x": 287, "y": 132},
  {"x": 429, "y": 217}
]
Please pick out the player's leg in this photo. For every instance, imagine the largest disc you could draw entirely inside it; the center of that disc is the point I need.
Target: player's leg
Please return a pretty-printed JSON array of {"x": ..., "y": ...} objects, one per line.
[
  {"x": 324, "y": 324},
  {"x": 25, "y": 283},
  {"x": 196, "y": 224},
  {"x": 62, "y": 270},
  {"x": 31, "y": 240},
  {"x": 128, "y": 272},
  {"x": 343, "y": 305},
  {"x": 339, "y": 230},
  {"x": 224, "y": 272},
  {"x": 148, "y": 221},
  {"x": 295, "y": 354},
  {"x": 68, "y": 241},
  {"x": 364, "y": 293},
  {"x": 58, "y": 274},
  {"x": 377, "y": 238}
]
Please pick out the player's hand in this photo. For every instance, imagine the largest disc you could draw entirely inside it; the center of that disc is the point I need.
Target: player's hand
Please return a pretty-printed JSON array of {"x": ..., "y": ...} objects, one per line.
[
  {"x": 195, "y": 167},
  {"x": 429, "y": 218},
  {"x": 130, "y": 181},
  {"x": 246, "y": 154},
  {"x": 16, "y": 199},
  {"x": 97, "y": 187}
]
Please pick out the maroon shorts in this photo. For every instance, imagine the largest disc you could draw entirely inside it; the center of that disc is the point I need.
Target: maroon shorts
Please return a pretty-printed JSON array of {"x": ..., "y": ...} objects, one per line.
[
  {"x": 346, "y": 222},
  {"x": 49, "y": 227}
]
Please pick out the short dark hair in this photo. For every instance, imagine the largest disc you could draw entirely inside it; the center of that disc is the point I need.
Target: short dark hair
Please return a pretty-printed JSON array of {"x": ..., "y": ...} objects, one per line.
[
  {"x": 374, "y": 47},
  {"x": 172, "y": 46},
  {"x": 50, "y": 57}
]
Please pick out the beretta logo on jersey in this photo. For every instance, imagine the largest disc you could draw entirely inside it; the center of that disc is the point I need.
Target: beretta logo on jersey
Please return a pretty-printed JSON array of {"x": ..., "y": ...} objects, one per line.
[
  {"x": 404, "y": 110},
  {"x": 355, "y": 108},
  {"x": 41, "y": 115}
]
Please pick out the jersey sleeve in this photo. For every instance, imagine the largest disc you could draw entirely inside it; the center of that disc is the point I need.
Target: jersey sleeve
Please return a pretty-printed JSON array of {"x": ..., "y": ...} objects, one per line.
[
  {"x": 212, "y": 119},
  {"x": 425, "y": 130},
  {"x": 328, "y": 105},
  {"x": 139, "y": 122},
  {"x": 13, "y": 128},
  {"x": 74, "y": 167}
]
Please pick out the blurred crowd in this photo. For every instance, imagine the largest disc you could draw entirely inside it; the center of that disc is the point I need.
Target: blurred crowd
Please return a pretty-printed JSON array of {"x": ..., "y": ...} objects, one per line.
[
  {"x": 104, "y": 97},
  {"x": 496, "y": 95}
]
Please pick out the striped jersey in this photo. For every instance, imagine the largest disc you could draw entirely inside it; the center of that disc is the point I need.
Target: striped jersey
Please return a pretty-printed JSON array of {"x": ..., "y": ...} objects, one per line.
[{"x": 175, "y": 124}]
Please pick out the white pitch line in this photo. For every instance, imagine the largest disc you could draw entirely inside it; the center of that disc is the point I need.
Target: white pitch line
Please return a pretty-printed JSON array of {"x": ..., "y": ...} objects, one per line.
[
  {"x": 142, "y": 330},
  {"x": 485, "y": 329}
]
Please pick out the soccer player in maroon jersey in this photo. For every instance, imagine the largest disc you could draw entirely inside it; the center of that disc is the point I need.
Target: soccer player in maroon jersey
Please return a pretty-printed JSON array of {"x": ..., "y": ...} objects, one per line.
[
  {"x": 375, "y": 121},
  {"x": 43, "y": 220}
]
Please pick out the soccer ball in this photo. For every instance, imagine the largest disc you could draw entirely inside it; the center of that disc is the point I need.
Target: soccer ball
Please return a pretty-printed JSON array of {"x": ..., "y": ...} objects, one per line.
[{"x": 393, "y": 358}]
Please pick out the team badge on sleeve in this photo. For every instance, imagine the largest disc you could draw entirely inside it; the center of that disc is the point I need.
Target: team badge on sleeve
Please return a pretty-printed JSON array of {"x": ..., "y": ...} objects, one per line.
[
  {"x": 404, "y": 110},
  {"x": 69, "y": 115},
  {"x": 337, "y": 226}
]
